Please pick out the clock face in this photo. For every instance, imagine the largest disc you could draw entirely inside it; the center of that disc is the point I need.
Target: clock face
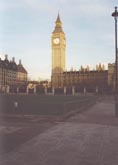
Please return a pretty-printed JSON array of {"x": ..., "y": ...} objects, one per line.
[{"x": 56, "y": 41}]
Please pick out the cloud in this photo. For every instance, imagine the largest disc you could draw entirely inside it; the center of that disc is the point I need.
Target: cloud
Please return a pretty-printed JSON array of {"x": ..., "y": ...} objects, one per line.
[
  {"x": 92, "y": 9},
  {"x": 9, "y": 5},
  {"x": 37, "y": 5},
  {"x": 86, "y": 9},
  {"x": 2, "y": 56},
  {"x": 27, "y": 4},
  {"x": 82, "y": 7}
]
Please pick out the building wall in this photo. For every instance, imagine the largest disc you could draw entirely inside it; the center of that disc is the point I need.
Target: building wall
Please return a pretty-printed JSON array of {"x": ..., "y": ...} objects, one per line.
[
  {"x": 87, "y": 78},
  {"x": 10, "y": 75},
  {"x": 21, "y": 77}
]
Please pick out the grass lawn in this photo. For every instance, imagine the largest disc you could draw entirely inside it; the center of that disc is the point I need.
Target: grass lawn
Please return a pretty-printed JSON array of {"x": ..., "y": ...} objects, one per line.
[{"x": 43, "y": 104}]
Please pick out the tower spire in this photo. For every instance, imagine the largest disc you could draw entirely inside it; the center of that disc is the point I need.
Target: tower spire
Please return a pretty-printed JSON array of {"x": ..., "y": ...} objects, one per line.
[
  {"x": 58, "y": 25},
  {"x": 58, "y": 18}
]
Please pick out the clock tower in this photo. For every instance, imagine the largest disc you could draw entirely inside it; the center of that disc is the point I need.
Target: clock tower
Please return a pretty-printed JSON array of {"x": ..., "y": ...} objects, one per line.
[{"x": 58, "y": 41}]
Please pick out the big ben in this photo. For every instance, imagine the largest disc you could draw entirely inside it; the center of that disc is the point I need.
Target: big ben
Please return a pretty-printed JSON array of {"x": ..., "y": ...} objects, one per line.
[{"x": 58, "y": 41}]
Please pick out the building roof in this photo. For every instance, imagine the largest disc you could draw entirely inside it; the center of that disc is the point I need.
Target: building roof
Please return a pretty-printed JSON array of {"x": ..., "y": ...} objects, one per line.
[
  {"x": 58, "y": 25},
  {"x": 21, "y": 68},
  {"x": 58, "y": 19},
  {"x": 85, "y": 72},
  {"x": 11, "y": 65},
  {"x": 6, "y": 64}
]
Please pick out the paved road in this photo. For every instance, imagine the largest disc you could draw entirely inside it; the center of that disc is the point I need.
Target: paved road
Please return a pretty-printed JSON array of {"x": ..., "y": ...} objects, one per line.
[{"x": 89, "y": 138}]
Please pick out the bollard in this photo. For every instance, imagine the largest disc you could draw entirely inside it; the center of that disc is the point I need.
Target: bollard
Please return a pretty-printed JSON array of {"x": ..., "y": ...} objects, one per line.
[
  {"x": 17, "y": 90},
  {"x": 84, "y": 90},
  {"x": 53, "y": 91},
  {"x": 73, "y": 90},
  {"x": 34, "y": 90},
  {"x": 7, "y": 89},
  {"x": 96, "y": 89},
  {"x": 64, "y": 90}
]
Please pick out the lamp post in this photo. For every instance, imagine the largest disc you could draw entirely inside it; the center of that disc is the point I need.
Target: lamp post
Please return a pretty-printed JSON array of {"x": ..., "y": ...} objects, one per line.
[{"x": 115, "y": 15}]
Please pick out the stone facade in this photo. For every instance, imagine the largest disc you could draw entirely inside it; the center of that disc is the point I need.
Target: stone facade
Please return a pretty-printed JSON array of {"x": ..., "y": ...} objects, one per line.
[{"x": 85, "y": 78}]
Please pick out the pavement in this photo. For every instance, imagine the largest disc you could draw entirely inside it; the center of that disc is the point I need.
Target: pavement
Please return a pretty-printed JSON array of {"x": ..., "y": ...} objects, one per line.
[{"x": 88, "y": 138}]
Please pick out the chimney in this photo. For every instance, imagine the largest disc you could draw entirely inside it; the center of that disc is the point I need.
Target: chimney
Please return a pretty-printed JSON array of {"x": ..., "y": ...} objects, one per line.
[
  {"x": 13, "y": 59},
  {"x": 6, "y": 56},
  {"x": 20, "y": 62}
]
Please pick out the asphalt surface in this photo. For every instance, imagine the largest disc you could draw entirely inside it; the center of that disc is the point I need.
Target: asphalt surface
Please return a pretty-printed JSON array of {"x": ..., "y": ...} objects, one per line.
[{"x": 88, "y": 138}]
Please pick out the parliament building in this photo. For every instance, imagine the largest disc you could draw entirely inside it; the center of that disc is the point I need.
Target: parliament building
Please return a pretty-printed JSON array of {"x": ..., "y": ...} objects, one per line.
[{"x": 98, "y": 78}]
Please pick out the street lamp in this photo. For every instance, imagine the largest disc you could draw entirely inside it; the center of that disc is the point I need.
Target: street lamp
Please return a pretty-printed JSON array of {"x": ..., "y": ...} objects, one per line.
[{"x": 115, "y": 15}]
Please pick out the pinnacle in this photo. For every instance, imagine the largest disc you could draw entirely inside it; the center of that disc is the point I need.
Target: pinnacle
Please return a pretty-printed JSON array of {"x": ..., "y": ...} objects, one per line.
[{"x": 58, "y": 19}]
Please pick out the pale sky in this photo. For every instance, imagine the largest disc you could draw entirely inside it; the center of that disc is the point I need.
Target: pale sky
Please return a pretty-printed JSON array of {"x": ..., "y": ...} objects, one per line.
[{"x": 26, "y": 27}]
